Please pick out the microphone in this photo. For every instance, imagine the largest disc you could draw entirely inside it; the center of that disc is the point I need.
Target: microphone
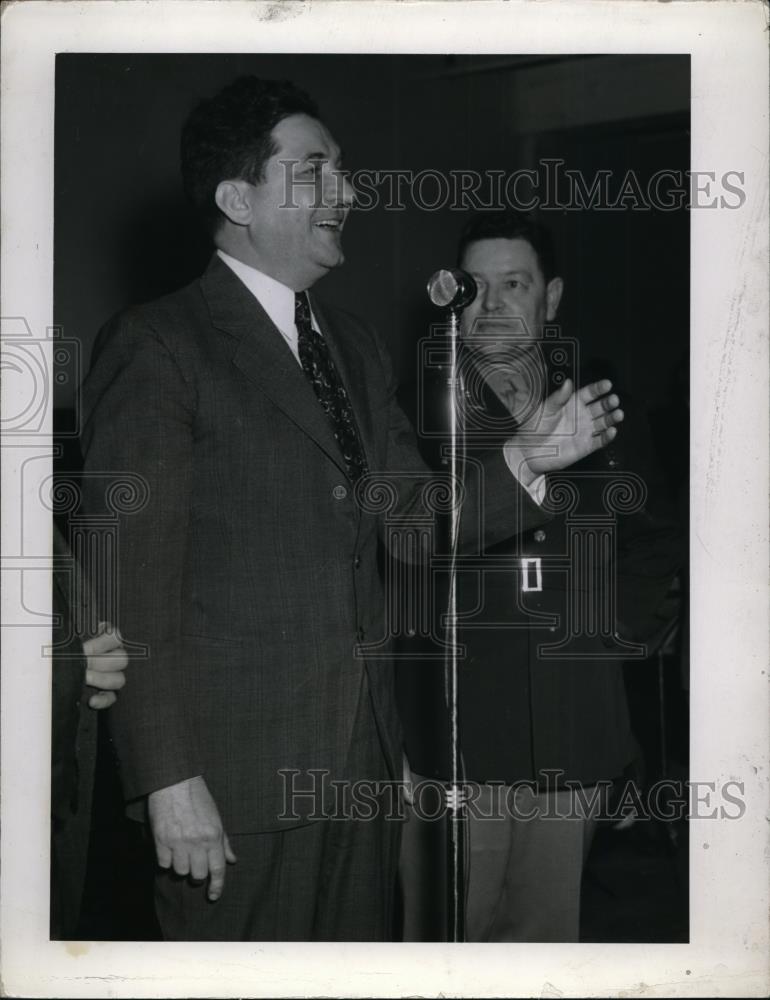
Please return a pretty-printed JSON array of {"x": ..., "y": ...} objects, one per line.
[{"x": 451, "y": 288}]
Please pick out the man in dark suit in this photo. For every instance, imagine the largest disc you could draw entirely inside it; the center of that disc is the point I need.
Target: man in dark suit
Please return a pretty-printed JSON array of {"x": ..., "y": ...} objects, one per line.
[
  {"x": 260, "y": 418},
  {"x": 549, "y": 621}
]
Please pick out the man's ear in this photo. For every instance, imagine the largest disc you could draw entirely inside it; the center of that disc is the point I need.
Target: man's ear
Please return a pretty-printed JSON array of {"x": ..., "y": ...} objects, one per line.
[
  {"x": 232, "y": 198},
  {"x": 553, "y": 293}
]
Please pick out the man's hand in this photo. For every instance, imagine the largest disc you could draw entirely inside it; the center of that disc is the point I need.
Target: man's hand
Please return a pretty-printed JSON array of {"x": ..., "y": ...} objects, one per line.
[
  {"x": 188, "y": 833},
  {"x": 568, "y": 426},
  {"x": 106, "y": 660}
]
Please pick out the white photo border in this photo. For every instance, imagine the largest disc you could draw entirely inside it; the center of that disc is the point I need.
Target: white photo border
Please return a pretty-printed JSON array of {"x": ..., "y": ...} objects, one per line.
[{"x": 727, "y": 954}]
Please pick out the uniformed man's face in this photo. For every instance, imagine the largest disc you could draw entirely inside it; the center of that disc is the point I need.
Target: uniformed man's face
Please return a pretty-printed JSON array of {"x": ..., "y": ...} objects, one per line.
[
  {"x": 296, "y": 213},
  {"x": 513, "y": 301}
]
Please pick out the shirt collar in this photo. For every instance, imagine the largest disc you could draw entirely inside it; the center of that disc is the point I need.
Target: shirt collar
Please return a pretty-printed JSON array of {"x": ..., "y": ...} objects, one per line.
[{"x": 275, "y": 298}]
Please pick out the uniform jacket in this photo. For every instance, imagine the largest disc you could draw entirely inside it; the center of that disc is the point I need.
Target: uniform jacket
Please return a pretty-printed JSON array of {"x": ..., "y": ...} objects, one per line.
[{"x": 546, "y": 620}]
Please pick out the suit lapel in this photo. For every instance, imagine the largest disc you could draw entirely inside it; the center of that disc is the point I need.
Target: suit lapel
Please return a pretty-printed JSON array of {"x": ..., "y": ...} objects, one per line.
[{"x": 264, "y": 357}]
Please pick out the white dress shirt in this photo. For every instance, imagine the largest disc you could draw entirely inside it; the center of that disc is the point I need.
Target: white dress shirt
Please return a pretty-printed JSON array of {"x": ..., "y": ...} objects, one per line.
[{"x": 275, "y": 298}]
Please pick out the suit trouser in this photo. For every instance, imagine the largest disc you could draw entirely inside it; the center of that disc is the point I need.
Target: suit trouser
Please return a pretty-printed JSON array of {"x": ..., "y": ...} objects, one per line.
[
  {"x": 329, "y": 880},
  {"x": 523, "y": 876}
]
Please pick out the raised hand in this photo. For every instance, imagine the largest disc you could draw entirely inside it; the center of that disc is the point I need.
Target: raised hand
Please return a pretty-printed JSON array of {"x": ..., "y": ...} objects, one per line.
[{"x": 568, "y": 426}]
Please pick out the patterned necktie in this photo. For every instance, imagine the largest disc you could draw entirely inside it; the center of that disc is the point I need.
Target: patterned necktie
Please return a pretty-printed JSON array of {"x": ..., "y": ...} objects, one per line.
[{"x": 321, "y": 372}]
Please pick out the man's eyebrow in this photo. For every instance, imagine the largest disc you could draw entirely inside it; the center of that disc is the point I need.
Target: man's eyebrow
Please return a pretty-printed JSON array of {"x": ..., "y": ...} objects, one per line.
[
  {"x": 517, "y": 270},
  {"x": 506, "y": 274},
  {"x": 326, "y": 156}
]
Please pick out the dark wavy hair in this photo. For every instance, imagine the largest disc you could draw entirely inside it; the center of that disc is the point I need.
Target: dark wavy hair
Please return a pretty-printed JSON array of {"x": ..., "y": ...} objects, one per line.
[
  {"x": 230, "y": 136},
  {"x": 507, "y": 224}
]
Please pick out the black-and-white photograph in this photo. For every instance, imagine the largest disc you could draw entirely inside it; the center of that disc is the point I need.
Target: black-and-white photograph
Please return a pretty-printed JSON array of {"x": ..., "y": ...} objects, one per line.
[
  {"x": 251, "y": 523},
  {"x": 371, "y": 481}
]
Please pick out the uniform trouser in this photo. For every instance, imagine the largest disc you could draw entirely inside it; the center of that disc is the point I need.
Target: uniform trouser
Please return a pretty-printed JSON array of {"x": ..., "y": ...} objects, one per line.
[
  {"x": 329, "y": 880},
  {"x": 523, "y": 876}
]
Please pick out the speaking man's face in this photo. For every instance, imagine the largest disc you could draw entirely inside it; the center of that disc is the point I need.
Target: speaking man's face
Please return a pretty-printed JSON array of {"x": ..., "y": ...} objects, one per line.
[
  {"x": 514, "y": 300},
  {"x": 297, "y": 212}
]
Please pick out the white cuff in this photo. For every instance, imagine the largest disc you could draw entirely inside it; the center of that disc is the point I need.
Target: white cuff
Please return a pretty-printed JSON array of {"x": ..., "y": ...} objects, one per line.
[
  {"x": 536, "y": 489},
  {"x": 519, "y": 469}
]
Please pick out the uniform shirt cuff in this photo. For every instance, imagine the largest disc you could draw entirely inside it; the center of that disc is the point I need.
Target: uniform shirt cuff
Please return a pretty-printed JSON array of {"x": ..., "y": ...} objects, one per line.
[{"x": 519, "y": 469}]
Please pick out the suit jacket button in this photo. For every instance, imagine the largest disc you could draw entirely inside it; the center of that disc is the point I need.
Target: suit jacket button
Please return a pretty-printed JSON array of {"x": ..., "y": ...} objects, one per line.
[
  {"x": 539, "y": 535},
  {"x": 357, "y": 562},
  {"x": 339, "y": 492}
]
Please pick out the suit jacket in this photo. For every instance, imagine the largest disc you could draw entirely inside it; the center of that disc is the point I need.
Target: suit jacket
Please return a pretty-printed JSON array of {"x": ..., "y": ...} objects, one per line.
[
  {"x": 251, "y": 574},
  {"x": 545, "y": 627}
]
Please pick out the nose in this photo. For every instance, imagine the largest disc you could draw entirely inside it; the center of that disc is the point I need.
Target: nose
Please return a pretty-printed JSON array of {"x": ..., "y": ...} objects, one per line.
[
  {"x": 348, "y": 191},
  {"x": 490, "y": 299},
  {"x": 339, "y": 191}
]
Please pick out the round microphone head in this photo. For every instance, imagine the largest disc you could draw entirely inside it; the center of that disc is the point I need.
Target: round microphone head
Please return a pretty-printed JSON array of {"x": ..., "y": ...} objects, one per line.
[{"x": 451, "y": 288}]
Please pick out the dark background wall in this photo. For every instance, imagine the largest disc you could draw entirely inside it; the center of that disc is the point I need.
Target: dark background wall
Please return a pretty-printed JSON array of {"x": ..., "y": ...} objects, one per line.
[{"x": 123, "y": 232}]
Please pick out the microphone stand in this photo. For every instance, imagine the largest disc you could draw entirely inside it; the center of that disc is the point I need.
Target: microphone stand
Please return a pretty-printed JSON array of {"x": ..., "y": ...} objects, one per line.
[
  {"x": 454, "y": 289},
  {"x": 455, "y": 804}
]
